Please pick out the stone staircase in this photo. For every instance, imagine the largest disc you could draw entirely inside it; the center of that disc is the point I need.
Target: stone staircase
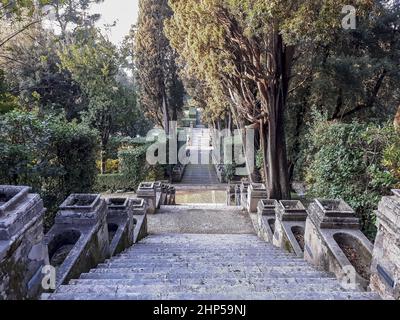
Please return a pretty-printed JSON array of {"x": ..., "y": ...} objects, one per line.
[
  {"x": 202, "y": 172},
  {"x": 205, "y": 267}
]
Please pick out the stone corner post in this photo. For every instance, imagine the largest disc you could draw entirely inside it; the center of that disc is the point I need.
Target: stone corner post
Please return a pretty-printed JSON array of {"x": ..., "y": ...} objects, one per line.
[
  {"x": 385, "y": 267},
  {"x": 23, "y": 252}
]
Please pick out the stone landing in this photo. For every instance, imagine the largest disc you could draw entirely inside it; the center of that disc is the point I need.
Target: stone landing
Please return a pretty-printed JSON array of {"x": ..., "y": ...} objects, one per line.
[{"x": 200, "y": 218}]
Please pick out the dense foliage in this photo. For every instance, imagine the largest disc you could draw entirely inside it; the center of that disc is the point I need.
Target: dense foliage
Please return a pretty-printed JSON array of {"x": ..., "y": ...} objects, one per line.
[
  {"x": 356, "y": 162},
  {"x": 53, "y": 156}
]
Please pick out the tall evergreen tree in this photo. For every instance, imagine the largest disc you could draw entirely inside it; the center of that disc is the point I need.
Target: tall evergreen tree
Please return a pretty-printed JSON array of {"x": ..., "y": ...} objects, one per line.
[{"x": 160, "y": 90}]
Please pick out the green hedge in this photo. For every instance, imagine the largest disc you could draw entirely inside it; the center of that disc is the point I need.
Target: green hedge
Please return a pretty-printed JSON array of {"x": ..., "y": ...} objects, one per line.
[
  {"x": 54, "y": 157},
  {"x": 356, "y": 162}
]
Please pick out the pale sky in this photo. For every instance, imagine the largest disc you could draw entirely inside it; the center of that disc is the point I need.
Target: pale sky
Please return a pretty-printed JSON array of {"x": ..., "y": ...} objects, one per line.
[{"x": 124, "y": 12}]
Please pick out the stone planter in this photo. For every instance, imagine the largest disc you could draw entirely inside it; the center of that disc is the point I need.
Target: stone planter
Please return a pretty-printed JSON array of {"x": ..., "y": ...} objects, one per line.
[
  {"x": 290, "y": 226},
  {"x": 79, "y": 239},
  {"x": 147, "y": 191},
  {"x": 256, "y": 192},
  {"x": 23, "y": 253},
  {"x": 334, "y": 243},
  {"x": 266, "y": 219},
  {"x": 120, "y": 224},
  {"x": 385, "y": 267}
]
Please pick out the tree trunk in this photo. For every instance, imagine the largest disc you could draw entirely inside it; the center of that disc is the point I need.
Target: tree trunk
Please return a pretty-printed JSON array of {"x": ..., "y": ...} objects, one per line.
[
  {"x": 165, "y": 113},
  {"x": 103, "y": 160},
  {"x": 273, "y": 142}
]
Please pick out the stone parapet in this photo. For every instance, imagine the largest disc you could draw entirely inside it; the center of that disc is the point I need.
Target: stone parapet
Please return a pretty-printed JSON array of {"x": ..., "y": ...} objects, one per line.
[{"x": 333, "y": 242}]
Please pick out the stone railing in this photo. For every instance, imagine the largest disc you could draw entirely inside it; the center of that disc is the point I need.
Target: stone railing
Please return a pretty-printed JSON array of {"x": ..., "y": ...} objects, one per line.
[
  {"x": 87, "y": 230},
  {"x": 328, "y": 235}
]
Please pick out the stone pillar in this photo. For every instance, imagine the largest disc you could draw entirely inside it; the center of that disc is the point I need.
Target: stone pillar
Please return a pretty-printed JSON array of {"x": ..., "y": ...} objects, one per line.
[
  {"x": 256, "y": 193},
  {"x": 290, "y": 224},
  {"x": 334, "y": 242},
  {"x": 243, "y": 194},
  {"x": 23, "y": 253},
  {"x": 385, "y": 268},
  {"x": 139, "y": 210},
  {"x": 266, "y": 219},
  {"x": 79, "y": 239},
  {"x": 147, "y": 191}
]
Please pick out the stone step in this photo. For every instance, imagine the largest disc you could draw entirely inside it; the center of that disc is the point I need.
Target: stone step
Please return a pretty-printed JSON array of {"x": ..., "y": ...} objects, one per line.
[
  {"x": 210, "y": 270},
  {"x": 199, "y": 277},
  {"x": 158, "y": 254},
  {"x": 301, "y": 296},
  {"x": 205, "y": 289},
  {"x": 173, "y": 263},
  {"x": 275, "y": 282}
]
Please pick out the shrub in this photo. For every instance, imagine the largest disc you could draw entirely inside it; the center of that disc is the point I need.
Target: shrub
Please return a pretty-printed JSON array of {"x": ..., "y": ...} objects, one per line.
[
  {"x": 52, "y": 156},
  {"x": 356, "y": 162},
  {"x": 133, "y": 164}
]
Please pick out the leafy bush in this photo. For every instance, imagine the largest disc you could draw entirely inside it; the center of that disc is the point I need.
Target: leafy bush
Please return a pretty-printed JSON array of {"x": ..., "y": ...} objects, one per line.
[
  {"x": 356, "y": 162},
  {"x": 54, "y": 157},
  {"x": 133, "y": 164}
]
